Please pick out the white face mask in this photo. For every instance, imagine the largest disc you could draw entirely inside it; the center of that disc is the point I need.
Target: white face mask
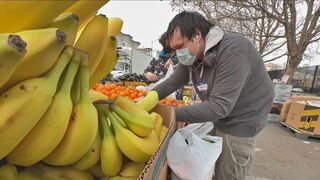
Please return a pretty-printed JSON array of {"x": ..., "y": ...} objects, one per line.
[{"x": 185, "y": 57}]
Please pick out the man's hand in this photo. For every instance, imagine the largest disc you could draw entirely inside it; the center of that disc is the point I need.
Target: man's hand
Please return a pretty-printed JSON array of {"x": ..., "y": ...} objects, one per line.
[
  {"x": 151, "y": 77},
  {"x": 168, "y": 63}
]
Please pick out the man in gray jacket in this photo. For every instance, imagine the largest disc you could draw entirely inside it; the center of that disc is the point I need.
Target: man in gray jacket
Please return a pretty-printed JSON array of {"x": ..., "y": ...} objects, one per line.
[{"x": 229, "y": 76}]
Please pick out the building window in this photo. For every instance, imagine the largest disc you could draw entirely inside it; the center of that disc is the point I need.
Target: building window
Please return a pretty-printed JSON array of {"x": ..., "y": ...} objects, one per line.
[{"x": 123, "y": 44}]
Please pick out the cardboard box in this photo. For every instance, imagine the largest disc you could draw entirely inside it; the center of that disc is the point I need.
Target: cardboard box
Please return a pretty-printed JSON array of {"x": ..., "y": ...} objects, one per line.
[
  {"x": 305, "y": 116},
  {"x": 157, "y": 168},
  {"x": 305, "y": 98},
  {"x": 284, "y": 111},
  {"x": 286, "y": 106}
]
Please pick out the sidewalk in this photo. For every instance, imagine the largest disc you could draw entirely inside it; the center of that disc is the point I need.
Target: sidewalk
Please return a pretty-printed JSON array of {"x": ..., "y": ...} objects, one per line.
[{"x": 281, "y": 156}]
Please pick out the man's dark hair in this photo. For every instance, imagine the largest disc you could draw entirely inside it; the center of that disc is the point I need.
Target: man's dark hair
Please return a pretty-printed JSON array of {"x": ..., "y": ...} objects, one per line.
[
  {"x": 188, "y": 22},
  {"x": 164, "y": 41}
]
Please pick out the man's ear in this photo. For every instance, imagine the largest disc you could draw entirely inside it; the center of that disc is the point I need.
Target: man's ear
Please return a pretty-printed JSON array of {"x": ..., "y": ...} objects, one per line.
[{"x": 198, "y": 34}]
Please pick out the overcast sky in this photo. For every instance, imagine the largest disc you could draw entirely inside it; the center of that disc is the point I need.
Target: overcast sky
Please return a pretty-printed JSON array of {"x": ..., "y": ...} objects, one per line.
[{"x": 144, "y": 20}]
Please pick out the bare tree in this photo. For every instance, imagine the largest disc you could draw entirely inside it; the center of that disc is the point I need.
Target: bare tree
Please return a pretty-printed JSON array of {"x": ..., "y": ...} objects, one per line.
[
  {"x": 264, "y": 32},
  {"x": 296, "y": 23}
]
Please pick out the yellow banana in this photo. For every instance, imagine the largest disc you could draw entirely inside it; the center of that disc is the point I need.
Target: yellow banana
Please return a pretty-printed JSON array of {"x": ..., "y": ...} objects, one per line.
[
  {"x": 138, "y": 121},
  {"x": 114, "y": 26},
  {"x": 44, "y": 47},
  {"x": 121, "y": 178},
  {"x": 22, "y": 106},
  {"x": 123, "y": 124},
  {"x": 149, "y": 101},
  {"x": 91, "y": 157},
  {"x": 157, "y": 121},
  {"x": 52, "y": 125},
  {"x": 139, "y": 125},
  {"x": 8, "y": 172},
  {"x": 84, "y": 24},
  {"x": 110, "y": 56},
  {"x": 84, "y": 9},
  {"x": 134, "y": 147},
  {"x": 83, "y": 124},
  {"x": 96, "y": 171},
  {"x": 111, "y": 157},
  {"x": 68, "y": 23},
  {"x": 132, "y": 169},
  {"x": 12, "y": 50},
  {"x": 130, "y": 107},
  {"x": 86, "y": 20},
  {"x": 163, "y": 133},
  {"x": 43, "y": 171},
  {"x": 22, "y": 15},
  {"x": 24, "y": 175},
  {"x": 93, "y": 40},
  {"x": 96, "y": 96}
]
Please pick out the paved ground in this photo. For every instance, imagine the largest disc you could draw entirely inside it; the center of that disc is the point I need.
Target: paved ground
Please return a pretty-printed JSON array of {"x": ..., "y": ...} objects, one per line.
[{"x": 282, "y": 156}]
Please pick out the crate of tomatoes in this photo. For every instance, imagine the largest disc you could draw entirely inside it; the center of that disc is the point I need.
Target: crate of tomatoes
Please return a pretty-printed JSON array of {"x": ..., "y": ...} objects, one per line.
[
  {"x": 114, "y": 90},
  {"x": 172, "y": 102}
]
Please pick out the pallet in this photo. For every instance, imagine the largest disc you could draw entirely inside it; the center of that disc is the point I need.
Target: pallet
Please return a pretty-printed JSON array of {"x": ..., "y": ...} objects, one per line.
[{"x": 298, "y": 133}]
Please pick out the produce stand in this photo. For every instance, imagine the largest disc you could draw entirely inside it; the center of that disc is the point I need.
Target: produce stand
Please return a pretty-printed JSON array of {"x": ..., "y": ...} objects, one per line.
[{"x": 157, "y": 167}]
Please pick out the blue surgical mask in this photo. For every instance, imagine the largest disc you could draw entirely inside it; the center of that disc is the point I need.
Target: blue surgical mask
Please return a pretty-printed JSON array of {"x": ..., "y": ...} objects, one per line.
[{"x": 185, "y": 57}]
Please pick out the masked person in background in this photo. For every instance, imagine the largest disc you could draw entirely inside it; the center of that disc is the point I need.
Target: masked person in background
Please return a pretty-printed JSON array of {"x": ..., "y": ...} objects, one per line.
[
  {"x": 157, "y": 69},
  {"x": 230, "y": 78}
]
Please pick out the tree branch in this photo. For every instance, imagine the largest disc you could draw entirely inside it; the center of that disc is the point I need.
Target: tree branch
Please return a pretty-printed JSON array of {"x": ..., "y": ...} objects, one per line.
[
  {"x": 275, "y": 58},
  {"x": 274, "y": 49}
]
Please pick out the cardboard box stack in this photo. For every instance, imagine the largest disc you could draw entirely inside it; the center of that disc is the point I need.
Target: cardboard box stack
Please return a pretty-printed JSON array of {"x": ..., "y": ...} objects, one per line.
[
  {"x": 305, "y": 116},
  {"x": 286, "y": 105}
]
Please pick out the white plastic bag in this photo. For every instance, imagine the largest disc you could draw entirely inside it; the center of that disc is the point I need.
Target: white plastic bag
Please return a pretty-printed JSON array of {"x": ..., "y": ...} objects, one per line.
[{"x": 192, "y": 153}]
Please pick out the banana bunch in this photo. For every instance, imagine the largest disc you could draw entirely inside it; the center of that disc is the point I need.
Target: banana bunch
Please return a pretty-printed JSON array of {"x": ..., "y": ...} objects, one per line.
[
  {"x": 111, "y": 156},
  {"x": 83, "y": 123},
  {"x": 126, "y": 130},
  {"x": 17, "y": 16},
  {"x": 50, "y": 120},
  {"x": 41, "y": 171},
  {"x": 149, "y": 101},
  {"x": 43, "y": 49},
  {"x": 23, "y": 105},
  {"x": 56, "y": 117},
  {"x": 136, "y": 135}
]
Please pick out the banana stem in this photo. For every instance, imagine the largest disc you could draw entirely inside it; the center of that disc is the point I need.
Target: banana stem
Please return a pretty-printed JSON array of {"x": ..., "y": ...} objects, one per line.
[
  {"x": 116, "y": 125},
  {"x": 121, "y": 113},
  {"x": 75, "y": 89},
  {"x": 70, "y": 76},
  {"x": 84, "y": 76},
  {"x": 105, "y": 127},
  {"x": 55, "y": 72}
]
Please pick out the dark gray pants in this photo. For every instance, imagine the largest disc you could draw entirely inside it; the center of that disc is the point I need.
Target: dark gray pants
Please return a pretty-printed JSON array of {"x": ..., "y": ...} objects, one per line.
[{"x": 236, "y": 157}]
